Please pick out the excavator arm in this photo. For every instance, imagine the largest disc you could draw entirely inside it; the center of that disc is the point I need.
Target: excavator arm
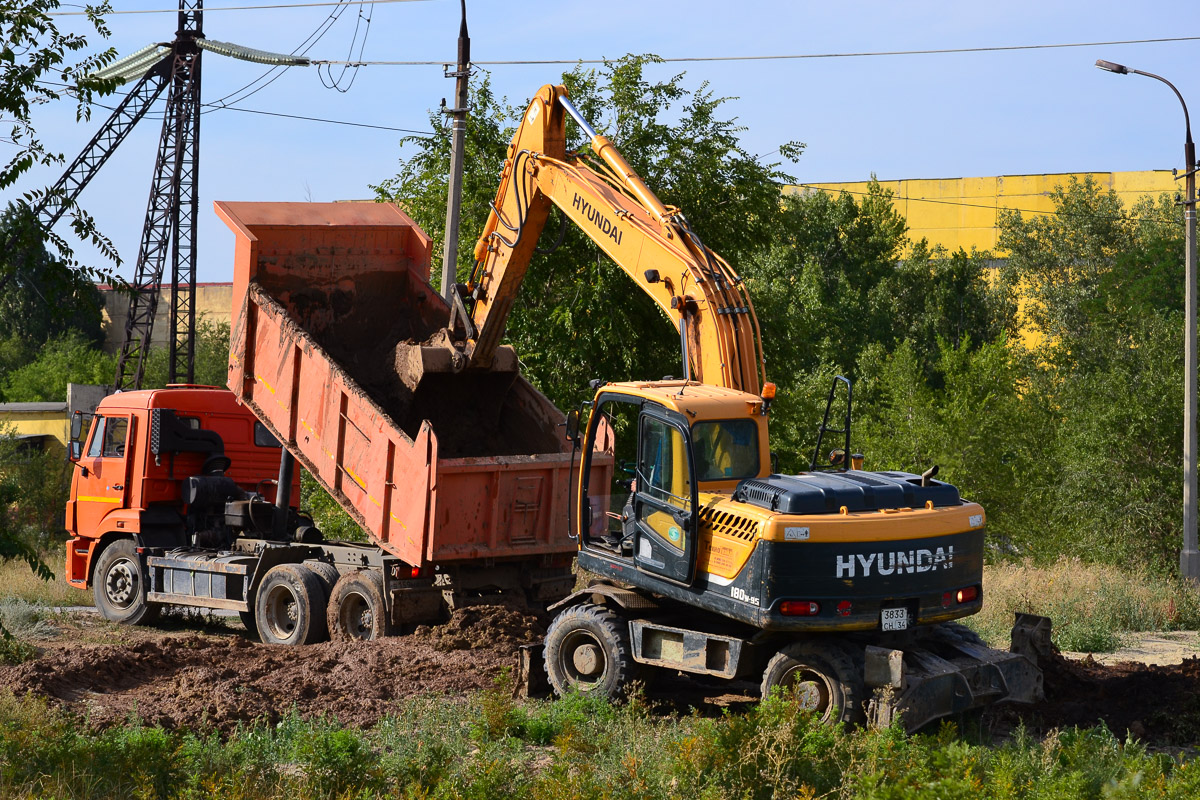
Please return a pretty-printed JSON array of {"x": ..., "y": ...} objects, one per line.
[{"x": 697, "y": 290}]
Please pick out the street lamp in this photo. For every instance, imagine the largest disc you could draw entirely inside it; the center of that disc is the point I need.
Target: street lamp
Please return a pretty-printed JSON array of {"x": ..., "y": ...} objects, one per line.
[{"x": 1189, "y": 557}]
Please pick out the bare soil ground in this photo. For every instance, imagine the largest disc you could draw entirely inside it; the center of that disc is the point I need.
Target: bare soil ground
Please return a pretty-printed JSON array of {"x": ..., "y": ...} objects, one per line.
[{"x": 202, "y": 673}]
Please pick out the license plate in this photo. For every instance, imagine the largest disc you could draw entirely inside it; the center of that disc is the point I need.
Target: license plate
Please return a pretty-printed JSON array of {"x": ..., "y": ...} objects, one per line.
[{"x": 895, "y": 619}]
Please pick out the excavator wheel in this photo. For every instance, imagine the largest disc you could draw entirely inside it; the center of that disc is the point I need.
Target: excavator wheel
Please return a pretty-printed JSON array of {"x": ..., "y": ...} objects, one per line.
[
  {"x": 290, "y": 607},
  {"x": 588, "y": 650},
  {"x": 824, "y": 678},
  {"x": 119, "y": 585},
  {"x": 357, "y": 610}
]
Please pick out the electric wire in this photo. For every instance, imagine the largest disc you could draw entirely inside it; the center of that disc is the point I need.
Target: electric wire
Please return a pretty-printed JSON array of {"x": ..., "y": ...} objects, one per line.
[
  {"x": 273, "y": 74},
  {"x": 158, "y": 115},
  {"x": 270, "y": 6},
  {"x": 791, "y": 57},
  {"x": 325, "y": 71}
]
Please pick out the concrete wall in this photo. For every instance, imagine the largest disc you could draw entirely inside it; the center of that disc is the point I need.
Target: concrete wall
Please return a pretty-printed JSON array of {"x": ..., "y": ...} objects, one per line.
[{"x": 214, "y": 303}]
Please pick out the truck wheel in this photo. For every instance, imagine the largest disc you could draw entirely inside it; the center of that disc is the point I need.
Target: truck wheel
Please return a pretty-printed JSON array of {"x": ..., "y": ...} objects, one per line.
[
  {"x": 823, "y": 677},
  {"x": 357, "y": 610},
  {"x": 119, "y": 585},
  {"x": 290, "y": 606},
  {"x": 587, "y": 650},
  {"x": 326, "y": 573},
  {"x": 248, "y": 620}
]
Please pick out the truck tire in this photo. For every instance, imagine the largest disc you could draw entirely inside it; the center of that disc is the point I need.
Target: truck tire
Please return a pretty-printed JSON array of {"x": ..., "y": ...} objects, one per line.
[
  {"x": 824, "y": 679},
  {"x": 119, "y": 585},
  {"x": 326, "y": 573},
  {"x": 357, "y": 610},
  {"x": 290, "y": 606},
  {"x": 588, "y": 650}
]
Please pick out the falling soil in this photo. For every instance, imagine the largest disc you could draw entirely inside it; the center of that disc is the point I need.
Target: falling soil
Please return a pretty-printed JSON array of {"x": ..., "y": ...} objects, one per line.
[{"x": 219, "y": 681}]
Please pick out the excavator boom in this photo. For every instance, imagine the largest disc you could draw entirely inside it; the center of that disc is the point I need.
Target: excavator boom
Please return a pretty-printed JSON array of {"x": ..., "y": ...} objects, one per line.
[{"x": 651, "y": 242}]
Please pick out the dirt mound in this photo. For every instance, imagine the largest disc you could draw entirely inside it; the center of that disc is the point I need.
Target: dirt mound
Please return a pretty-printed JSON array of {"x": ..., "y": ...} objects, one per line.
[
  {"x": 1158, "y": 704},
  {"x": 481, "y": 627},
  {"x": 221, "y": 681}
]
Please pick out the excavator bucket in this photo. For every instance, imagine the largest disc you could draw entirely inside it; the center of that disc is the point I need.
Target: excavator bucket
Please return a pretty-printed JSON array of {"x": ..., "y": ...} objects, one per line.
[{"x": 438, "y": 356}]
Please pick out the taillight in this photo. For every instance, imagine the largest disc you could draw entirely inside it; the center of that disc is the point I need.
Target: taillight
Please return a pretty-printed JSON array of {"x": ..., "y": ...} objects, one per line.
[
  {"x": 947, "y": 599},
  {"x": 799, "y": 608},
  {"x": 843, "y": 608},
  {"x": 416, "y": 572},
  {"x": 968, "y": 594}
]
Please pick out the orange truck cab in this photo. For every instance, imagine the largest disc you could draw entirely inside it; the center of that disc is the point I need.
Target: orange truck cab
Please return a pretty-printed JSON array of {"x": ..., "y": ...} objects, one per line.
[{"x": 153, "y": 460}]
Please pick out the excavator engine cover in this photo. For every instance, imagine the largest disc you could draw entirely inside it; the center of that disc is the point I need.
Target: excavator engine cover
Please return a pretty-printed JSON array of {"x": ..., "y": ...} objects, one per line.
[{"x": 828, "y": 492}]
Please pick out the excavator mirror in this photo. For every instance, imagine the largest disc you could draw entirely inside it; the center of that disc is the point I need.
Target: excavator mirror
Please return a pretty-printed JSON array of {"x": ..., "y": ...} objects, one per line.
[
  {"x": 651, "y": 276},
  {"x": 573, "y": 425}
]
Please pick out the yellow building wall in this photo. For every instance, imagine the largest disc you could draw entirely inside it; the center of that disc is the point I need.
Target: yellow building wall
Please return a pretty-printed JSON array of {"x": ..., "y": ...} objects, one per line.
[
  {"x": 961, "y": 212},
  {"x": 37, "y": 423}
]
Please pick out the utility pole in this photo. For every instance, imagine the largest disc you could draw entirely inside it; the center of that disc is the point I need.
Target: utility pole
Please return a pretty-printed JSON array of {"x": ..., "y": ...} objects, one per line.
[
  {"x": 457, "y": 148},
  {"x": 1189, "y": 556}
]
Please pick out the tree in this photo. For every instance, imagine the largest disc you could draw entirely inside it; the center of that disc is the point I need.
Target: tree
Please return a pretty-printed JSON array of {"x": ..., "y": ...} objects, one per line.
[
  {"x": 33, "y": 66},
  {"x": 69, "y": 358},
  {"x": 43, "y": 299}
]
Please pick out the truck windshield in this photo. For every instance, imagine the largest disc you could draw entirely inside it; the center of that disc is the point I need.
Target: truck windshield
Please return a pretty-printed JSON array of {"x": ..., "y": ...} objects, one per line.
[{"x": 726, "y": 449}]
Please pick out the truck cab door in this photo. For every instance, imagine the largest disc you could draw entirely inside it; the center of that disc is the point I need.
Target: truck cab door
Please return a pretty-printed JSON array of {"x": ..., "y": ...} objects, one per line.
[
  {"x": 664, "y": 501},
  {"x": 103, "y": 488}
]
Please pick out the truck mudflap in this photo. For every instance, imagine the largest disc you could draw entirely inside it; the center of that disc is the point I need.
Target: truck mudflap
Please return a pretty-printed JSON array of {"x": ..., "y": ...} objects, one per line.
[{"x": 952, "y": 671}]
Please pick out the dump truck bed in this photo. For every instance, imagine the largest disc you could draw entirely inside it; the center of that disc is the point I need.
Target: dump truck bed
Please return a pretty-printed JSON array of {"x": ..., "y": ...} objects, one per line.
[{"x": 328, "y": 298}]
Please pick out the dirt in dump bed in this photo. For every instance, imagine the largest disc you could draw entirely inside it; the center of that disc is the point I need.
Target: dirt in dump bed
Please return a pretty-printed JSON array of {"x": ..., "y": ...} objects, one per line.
[
  {"x": 360, "y": 323},
  {"x": 1156, "y": 704},
  {"x": 218, "y": 681}
]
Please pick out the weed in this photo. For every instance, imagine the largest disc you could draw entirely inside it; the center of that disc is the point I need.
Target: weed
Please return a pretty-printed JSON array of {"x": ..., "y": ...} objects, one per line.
[{"x": 1092, "y": 605}]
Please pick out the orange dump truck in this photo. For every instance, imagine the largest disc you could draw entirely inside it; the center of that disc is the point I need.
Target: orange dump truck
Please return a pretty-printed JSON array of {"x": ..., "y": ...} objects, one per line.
[{"x": 461, "y": 479}]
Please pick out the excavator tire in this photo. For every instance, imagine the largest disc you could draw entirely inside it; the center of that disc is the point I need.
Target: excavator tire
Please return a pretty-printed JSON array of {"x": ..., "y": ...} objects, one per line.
[
  {"x": 119, "y": 585},
  {"x": 290, "y": 607},
  {"x": 824, "y": 678},
  {"x": 357, "y": 611},
  {"x": 588, "y": 650}
]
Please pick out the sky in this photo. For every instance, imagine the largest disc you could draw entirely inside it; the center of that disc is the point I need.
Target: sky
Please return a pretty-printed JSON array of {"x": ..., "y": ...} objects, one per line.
[{"x": 946, "y": 115}]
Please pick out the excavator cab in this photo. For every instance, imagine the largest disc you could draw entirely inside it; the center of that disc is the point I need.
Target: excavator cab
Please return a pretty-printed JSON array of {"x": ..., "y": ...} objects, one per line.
[{"x": 670, "y": 440}]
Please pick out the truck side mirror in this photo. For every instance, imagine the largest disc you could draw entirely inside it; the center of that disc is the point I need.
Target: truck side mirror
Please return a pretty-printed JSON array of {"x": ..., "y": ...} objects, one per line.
[
  {"x": 76, "y": 428},
  {"x": 74, "y": 450},
  {"x": 573, "y": 425}
]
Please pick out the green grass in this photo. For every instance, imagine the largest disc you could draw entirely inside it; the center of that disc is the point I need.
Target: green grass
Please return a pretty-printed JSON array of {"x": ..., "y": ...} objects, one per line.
[
  {"x": 21, "y": 583},
  {"x": 1093, "y": 606},
  {"x": 575, "y": 748}
]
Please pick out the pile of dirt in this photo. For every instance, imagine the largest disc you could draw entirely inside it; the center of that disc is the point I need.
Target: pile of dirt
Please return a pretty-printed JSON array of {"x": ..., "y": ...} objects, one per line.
[
  {"x": 1158, "y": 704},
  {"x": 221, "y": 681},
  {"x": 484, "y": 627}
]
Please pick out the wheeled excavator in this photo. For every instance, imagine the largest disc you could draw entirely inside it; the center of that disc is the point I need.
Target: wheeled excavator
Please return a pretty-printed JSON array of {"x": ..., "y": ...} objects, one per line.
[{"x": 838, "y": 583}]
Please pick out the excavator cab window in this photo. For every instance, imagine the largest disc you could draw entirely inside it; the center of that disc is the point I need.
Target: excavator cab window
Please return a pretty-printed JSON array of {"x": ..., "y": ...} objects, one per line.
[{"x": 726, "y": 449}]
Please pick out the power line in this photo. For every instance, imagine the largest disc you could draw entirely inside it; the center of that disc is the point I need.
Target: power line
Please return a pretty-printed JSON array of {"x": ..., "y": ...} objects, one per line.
[
  {"x": 228, "y": 8},
  {"x": 791, "y": 57},
  {"x": 213, "y": 107},
  {"x": 319, "y": 119}
]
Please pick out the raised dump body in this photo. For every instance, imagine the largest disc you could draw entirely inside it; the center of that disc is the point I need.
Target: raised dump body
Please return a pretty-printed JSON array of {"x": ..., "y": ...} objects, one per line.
[{"x": 466, "y": 468}]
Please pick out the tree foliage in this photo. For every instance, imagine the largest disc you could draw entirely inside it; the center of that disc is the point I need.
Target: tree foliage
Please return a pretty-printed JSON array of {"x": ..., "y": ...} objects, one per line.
[{"x": 35, "y": 66}]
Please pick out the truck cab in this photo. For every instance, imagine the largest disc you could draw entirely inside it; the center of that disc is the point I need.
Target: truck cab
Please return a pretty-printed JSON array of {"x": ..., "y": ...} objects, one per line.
[{"x": 144, "y": 451}]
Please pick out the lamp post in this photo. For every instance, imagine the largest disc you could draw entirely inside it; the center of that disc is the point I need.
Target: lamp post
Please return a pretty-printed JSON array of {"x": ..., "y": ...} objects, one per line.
[{"x": 1189, "y": 557}]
